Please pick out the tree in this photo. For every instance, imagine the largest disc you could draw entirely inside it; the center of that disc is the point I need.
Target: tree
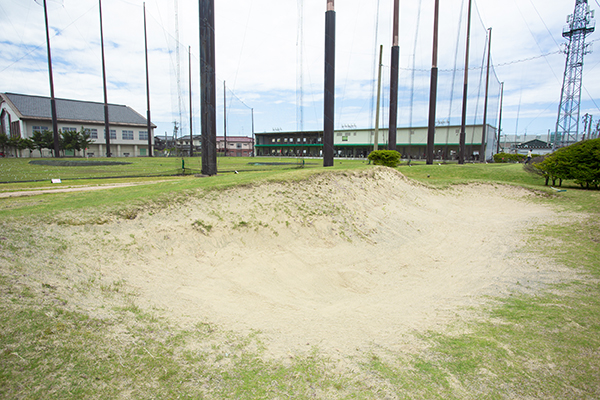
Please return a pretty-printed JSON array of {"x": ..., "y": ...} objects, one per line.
[
  {"x": 3, "y": 141},
  {"x": 14, "y": 143},
  {"x": 70, "y": 140},
  {"x": 43, "y": 140},
  {"x": 28, "y": 144},
  {"x": 580, "y": 162},
  {"x": 84, "y": 139}
]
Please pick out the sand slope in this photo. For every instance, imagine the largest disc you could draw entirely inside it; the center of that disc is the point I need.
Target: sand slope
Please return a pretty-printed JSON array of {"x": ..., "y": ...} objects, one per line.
[{"x": 341, "y": 261}]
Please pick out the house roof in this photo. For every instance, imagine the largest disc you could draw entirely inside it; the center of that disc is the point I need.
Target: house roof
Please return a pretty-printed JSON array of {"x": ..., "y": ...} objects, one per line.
[
  {"x": 39, "y": 107},
  {"x": 534, "y": 144}
]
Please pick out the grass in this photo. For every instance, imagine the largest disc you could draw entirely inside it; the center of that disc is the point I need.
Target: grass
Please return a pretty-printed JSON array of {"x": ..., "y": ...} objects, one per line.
[
  {"x": 545, "y": 345},
  {"x": 21, "y": 170}
]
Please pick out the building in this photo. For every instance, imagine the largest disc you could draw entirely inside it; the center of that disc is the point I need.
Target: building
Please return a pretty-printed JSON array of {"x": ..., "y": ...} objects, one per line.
[
  {"x": 237, "y": 146},
  {"x": 356, "y": 143},
  {"x": 22, "y": 115}
]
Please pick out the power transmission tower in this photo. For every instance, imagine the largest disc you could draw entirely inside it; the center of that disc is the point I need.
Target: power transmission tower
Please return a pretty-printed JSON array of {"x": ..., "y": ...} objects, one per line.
[{"x": 580, "y": 24}]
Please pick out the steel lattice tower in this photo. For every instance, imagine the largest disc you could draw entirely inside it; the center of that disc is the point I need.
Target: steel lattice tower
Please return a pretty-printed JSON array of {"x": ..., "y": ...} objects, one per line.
[{"x": 579, "y": 25}]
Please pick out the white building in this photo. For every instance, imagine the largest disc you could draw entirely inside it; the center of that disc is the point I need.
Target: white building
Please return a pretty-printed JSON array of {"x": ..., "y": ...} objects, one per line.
[{"x": 22, "y": 115}]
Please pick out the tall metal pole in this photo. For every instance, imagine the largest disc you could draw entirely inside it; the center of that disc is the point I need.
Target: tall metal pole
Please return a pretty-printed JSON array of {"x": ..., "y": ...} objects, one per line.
[
  {"x": 433, "y": 87},
  {"x": 376, "y": 137},
  {"x": 225, "y": 118},
  {"x": 106, "y": 125},
  {"x": 52, "y": 98},
  {"x": 485, "y": 104},
  {"x": 253, "y": 144},
  {"x": 329, "y": 101},
  {"x": 148, "y": 120},
  {"x": 208, "y": 89},
  {"x": 500, "y": 118},
  {"x": 463, "y": 127},
  {"x": 394, "y": 68},
  {"x": 191, "y": 109}
]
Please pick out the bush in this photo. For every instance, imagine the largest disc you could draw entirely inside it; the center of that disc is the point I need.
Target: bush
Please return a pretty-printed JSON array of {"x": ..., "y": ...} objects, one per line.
[
  {"x": 580, "y": 162},
  {"x": 389, "y": 158},
  {"x": 509, "y": 158}
]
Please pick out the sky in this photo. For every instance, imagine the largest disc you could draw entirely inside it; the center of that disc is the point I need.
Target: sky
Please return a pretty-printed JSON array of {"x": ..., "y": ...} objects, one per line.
[{"x": 270, "y": 60}]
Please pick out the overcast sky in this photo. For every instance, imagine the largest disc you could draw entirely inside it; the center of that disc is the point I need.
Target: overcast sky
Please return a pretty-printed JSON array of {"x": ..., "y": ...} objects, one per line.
[{"x": 273, "y": 61}]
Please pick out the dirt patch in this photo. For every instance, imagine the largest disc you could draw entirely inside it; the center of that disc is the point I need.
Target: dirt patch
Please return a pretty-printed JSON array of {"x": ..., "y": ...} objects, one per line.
[{"x": 343, "y": 262}]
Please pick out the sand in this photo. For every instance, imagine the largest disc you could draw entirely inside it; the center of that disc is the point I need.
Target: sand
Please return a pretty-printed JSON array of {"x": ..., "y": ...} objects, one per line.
[{"x": 342, "y": 261}]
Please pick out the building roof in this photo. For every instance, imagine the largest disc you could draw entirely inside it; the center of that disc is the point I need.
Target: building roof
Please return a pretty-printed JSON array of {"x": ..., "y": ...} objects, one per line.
[
  {"x": 39, "y": 108},
  {"x": 534, "y": 144},
  {"x": 235, "y": 139}
]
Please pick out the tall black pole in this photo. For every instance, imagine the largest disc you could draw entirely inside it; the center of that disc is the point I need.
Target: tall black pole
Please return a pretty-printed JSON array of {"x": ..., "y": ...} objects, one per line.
[
  {"x": 253, "y": 138},
  {"x": 500, "y": 118},
  {"x": 329, "y": 101},
  {"x": 376, "y": 136},
  {"x": 485, "y": 105},
  {"x": 106, "y": 125},
  {"x": 191, "y": 109},
  {"x": 207, "y": 87},
  {"x": 225, "y": 118},
  {"x": 148, "y": 120},
  {"x": 433, "y": 88},
  {"x": 463, "y": 126},
  {"x": 393, "y": 125},
  {"x": 52, "y": 98}
]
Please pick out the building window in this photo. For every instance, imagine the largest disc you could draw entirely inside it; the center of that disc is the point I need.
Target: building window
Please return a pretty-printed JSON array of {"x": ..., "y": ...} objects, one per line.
[
  {"x": 239, "y": 145},
  {"x": 113, "y": 134},
  {"x": 143, "y": 135},
  {"x": 40, "y": 129},
  {"x": 344, "y": 138},
  {"x": 65, "y": 129},
  {"x": 127, "y": 135},
  {"x": 93, "y": 133},
  {"x": 273, "y": 140}
]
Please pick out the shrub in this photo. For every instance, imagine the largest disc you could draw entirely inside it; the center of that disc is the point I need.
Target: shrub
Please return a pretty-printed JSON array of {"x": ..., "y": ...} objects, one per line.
[
  {"x": 580, "y": 162},
  {"x": 389, "y": 158},
  {"x": 508, "y": 158}
]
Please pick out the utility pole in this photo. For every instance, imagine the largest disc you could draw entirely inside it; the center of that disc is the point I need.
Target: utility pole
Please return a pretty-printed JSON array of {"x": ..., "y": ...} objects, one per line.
[
  {"x": 253, "y": 139},
  {"x": 329, "y": 101},
  {"x": 225, "y": 118},
  {"x": 191, "y": 109},
  {"x": 579, "y": 25},
  {"x": 433, "y": 88},
  {"x": 208, "y": 89},
  {"x": 376, "y": 138},
  {"x": 52, "y": 98},
  {"x": 485, "y": 106},
  {"x": 394, "y": 68},
  {"x": 106, "y": 119},
  {"x": 148, "y": 120},
  {"x": 463, "y": 125},
  {"x": 500, "y": 118}
]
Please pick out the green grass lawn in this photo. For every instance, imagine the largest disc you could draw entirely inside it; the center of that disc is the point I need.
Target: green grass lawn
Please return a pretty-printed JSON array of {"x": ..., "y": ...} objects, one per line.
[{"x": 541, "y": 346}]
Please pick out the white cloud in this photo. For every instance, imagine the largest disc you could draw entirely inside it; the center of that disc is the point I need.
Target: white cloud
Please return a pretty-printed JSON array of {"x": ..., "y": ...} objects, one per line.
[{"x": 257, "y": 55}]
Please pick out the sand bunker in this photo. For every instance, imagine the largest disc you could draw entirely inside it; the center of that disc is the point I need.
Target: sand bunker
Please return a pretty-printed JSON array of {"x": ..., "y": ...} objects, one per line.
[{"x": 340, "y": 261}]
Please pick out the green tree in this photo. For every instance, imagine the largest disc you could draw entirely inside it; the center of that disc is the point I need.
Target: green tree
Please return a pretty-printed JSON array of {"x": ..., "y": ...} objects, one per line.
[
  {"x": 70, "y": 140},
  {"x": 580, "y": 162},
  {"x": 13, "y": 142},
  {"x": 84, "y": 139},
  {"x": 28, "y": 144},
  {"x": 3, "y": 141}
]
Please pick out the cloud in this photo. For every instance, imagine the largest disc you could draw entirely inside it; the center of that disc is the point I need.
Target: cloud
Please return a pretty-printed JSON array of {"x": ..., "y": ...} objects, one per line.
[{"x": 258, "y": 49}]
